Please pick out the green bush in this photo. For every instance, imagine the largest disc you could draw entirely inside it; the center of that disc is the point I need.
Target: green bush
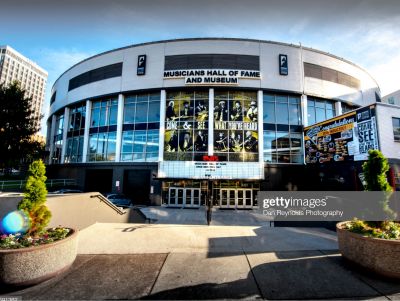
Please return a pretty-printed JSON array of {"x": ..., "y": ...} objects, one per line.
[{"x": 33, "y": 203}]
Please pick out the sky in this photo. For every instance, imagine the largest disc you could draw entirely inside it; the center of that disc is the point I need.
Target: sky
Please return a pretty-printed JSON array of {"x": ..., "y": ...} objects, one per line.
[{"x": 58, "y": 34}]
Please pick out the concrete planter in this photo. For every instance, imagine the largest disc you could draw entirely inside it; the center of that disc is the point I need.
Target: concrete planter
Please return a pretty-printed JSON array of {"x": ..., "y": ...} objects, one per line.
[
  {"x": 381, "y": 256},
  {"x": 28, "y": 266}
]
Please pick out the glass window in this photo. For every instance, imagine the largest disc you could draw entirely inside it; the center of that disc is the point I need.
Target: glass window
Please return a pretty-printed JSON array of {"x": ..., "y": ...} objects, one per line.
[
  {"x": 154, "y": 112},
  {"x": 269, "y": 112},
  {"x": 112, "y": 139},
  {"x": 320, "y": 114},
  {"x": 95, "y": 118},
  {"x": 294, "y": 114},
  {"x": 269, "y": 147},
  {"x": 127, "y": 142},
  {"x": 139, "y": 142},
  {"x": 113, "y": 115},
  {"x": 129, "y": 113},
  {"x": 141, "y": 112},
  {"x": 283, "y": 147},
  {"x": 282, "y": 115},
  {"x": 396, "y": 128}
]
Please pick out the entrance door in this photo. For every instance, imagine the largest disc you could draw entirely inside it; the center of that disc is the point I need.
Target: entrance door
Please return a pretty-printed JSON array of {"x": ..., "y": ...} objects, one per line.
[
  {"x": 231, "y": 198},
  {"x": 184, "y": 197}
]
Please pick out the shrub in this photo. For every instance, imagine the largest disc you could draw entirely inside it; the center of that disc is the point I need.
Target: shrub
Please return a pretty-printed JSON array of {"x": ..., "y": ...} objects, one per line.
[{"x": 33, "y": 203}]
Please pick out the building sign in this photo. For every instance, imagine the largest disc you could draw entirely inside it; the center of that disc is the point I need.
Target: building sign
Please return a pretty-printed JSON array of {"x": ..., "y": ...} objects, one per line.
[
  {"x": 141, "y": 65},
  {"x": 212, "y": 76},
  {"x": 191, "y": 149},
  {"x": 283, "y": 65},
  {"x": 345, "y": 138}
]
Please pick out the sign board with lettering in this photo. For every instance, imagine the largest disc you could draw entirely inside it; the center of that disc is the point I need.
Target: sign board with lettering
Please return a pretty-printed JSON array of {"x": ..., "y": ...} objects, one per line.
[
  {"x": 283, "y": 64},
  {"x": 141, "y": 65},
  {"x": 348, "y": 137},
  {"x": 212, "y": 76}
]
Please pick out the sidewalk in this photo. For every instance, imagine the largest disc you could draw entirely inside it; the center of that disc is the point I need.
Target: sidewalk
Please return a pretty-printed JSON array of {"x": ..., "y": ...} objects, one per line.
[{"x": 142, "y": 261}]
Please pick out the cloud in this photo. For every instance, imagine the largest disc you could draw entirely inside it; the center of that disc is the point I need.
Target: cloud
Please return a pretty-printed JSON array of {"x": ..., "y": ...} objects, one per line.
[{"x": 55, "y": 62}]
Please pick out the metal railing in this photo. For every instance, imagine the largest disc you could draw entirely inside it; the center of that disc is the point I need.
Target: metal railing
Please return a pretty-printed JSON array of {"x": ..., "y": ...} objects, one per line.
[
  {"x": 19, "y": 184},
  {"x": 103, "y": 199}
]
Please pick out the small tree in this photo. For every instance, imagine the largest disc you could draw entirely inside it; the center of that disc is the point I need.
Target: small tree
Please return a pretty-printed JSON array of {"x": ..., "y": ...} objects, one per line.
[
  {"x": 33, "y": 203},
  {"x": 375, "y": 170}
]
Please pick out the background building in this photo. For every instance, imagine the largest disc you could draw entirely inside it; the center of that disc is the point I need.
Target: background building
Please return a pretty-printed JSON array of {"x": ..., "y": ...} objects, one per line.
[
  {"x": 170, "y": 122},
  {"x": 33, "y": 78},
  {"x": 392, "y": 98}
]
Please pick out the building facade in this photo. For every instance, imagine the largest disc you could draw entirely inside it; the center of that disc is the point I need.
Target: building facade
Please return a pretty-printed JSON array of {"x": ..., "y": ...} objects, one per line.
[
  {"x": 392, "y": 98},
  {"x": 33, "y": 78},
  {"x": 173, "y": 122}
]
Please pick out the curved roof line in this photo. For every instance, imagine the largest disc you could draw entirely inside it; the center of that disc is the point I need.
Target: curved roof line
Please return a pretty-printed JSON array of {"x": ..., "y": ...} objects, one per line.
[{"x": 215, "y": 39}]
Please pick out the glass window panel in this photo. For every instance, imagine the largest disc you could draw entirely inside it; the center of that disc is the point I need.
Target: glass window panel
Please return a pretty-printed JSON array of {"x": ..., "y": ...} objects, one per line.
[
  {"x": 294, "y": 99},
  {"x": 129, "y": 113},
  {"x": 113, "y": 115},
  {"x": 151, "y": 157},
  {"x": 269, "y": 112},
  {"x": 111, "y": 146},
  {"x": 282, "y": 116},
  {"x": 269, "y": 97},
  {"x": 329, "y": 114},
  {"x": 127, "y": 142},
  {"x": 320, "y": 104},
  {"x": 139, "y": 142},
  {"x": 95, "y": 117},
  {"x": 294, "y": 114},
  {"x": 80, "y": 149},
  {"x": 296, "y": 156},
  {"x": 330, "y": 105},
  {"x": 269, "y": 145},
  {"x": 141, "y": 112},
  {"x": 311, "y": 115},
  {"x": 280, "y": 98},
  {"x": 142, "y": 98},
  {"x": 92, "y": 147},
  {"x": 101, "y": 147},
  {"x": 154, "y": 112},
  {"x": 96, "y": 104},
  {"x": 396, "y": 128},
  {"x": 138, "y": 157},
  {"x": 155, "y": 96},
  {"x": 319, "y": 114},
  {"x": 103, "y": 116}
]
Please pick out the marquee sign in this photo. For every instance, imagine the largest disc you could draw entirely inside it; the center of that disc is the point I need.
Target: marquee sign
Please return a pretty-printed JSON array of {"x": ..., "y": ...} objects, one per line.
[
  {"x": 345, "y": 138},
  {"x": 212, "y": 76}
]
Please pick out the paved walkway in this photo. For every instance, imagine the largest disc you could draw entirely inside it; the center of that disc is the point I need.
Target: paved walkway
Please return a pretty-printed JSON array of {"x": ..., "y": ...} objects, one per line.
[{"x": 142, "y": 261}]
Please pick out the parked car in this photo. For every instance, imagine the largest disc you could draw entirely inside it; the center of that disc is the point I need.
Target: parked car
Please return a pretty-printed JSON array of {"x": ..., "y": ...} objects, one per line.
[
  {"x": 65, "y": 190},
  {"x": 119, "y": 200}
]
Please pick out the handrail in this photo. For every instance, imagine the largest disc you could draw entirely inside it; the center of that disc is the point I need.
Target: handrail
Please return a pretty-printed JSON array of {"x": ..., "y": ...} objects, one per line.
[
  {"x": 19, "y": 184},
  {"x": 103, "y": 199}
]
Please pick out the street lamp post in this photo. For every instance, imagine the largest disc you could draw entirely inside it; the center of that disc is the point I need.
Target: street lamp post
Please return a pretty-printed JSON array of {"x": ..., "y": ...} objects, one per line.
[{"x": 208, "y": 200}]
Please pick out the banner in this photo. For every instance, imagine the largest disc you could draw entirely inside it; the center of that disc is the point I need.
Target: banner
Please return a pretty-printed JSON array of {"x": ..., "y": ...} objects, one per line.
[{"x": 348, "y": 137}]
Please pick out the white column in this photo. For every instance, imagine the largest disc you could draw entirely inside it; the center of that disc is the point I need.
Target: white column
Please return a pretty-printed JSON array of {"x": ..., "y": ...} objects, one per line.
[
  {"x": 338, "y": 108},
  {"x": 86, "y": 133},
  {"x": 210, "y": 121},
  {"x": 304, "y": 109},
  {"x": 260, "y": 126},
  {"x": 65, "y": 130},
  {"x": 120, "y": 123},
  {"x": 163, "y": 107},
  {"x": 52, "y": 133}
]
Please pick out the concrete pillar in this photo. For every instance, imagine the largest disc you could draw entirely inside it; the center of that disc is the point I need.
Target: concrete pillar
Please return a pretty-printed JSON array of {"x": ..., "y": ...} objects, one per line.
[
  {"x": 211, "y": 122},
  {"x": 304, "y": 109},
  {"x": 51, "y": 140},
  {"x": 163, "y": 107},
  {"x": 86, "y": 133},
  {"x": 338, "y": 108},
  {"x": 260, "y": 126},
  {"x": 65, "y": 130},
  {"x": 120, "y": 123}
]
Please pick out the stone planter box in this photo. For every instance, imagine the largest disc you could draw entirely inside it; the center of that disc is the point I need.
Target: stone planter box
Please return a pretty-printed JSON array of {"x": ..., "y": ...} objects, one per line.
[
  {"x": 381, "y": 256},
  {"x": 28, "y": 266}
]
